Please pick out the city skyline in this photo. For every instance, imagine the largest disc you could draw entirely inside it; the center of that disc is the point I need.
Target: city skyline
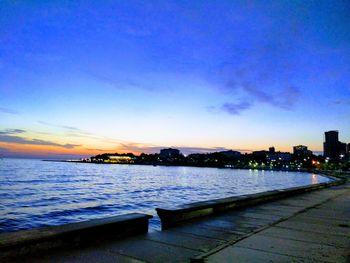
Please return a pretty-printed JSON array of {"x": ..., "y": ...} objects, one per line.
[{"x": 87, "y": 78}]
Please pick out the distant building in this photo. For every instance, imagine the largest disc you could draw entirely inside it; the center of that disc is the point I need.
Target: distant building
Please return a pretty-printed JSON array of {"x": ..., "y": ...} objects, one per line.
[
  {"x": 279, "y": 156},
  {"x": 113, "y": 158},
  {"x": 332, "y": 147},
  {"x": 231, "y": 154},
  {"x": 301, "y": 151},
  {"x": 260, "y": 154},
  {"x": 120, "y": 159},
  {"x": 342, "y": 149},
  {"x": 272, "y": 155},
  {"x": 169, "y": 153}
]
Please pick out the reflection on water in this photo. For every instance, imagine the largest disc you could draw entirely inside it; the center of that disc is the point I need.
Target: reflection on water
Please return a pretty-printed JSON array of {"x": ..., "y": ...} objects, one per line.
[{"x": 34, "y": 193}]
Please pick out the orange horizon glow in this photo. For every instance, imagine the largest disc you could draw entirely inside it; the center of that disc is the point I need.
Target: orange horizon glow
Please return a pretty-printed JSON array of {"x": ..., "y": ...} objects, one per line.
[{"x": 34, "y": 150}]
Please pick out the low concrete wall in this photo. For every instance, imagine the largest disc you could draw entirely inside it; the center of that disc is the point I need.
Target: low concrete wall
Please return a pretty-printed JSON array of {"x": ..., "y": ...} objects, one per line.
[
  {"x": 29, "y": 241},
  {"x": 174, "y": 216}
]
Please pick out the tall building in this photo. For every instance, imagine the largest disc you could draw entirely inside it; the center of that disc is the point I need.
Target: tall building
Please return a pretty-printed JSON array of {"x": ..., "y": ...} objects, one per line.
[{"x": 332, "y": 146}]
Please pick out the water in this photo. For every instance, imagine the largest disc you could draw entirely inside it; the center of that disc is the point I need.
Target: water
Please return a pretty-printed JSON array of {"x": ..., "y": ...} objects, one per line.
[{"x": 34, "y": 193}]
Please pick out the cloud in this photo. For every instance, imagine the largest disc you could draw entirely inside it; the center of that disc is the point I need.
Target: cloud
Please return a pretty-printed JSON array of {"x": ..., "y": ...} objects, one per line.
[
  {"x": 287, "y": 98},
  {"x": 11, "y": 131},
  {"x": 342, "y": 102},
  {"x": 71, "y": 128},
  {"x": 257, "y": 93},
  {"x": 235, "y": 108},
  {"x": 76, "y": 132},
  {"x": 7, "y": 110},
  {"x": 283, "y": 98},
  {"x": 4, "y": 150},
  {"x": 113, "y": 80},
  {"x": 256, "y": 84},
  {"x": 8, "y": 136}
]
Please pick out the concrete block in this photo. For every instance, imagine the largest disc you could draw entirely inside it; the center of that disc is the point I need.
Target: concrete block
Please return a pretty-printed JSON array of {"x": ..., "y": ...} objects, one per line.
[
  {"x": 30, "y": 241},
  {"x": 318, "y": 238},
  {"x": 293, "y": 248},
  {"x": 246, "y": 255},
  {"x": 316, "y": 228}
]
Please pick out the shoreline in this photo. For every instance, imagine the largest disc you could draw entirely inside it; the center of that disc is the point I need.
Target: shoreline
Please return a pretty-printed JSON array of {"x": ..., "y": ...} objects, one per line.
[{"x": 332, "y": 173}]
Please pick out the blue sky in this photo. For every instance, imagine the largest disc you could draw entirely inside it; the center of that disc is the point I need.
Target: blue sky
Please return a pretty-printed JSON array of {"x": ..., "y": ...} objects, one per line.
[{"x": 139, "y": 75}]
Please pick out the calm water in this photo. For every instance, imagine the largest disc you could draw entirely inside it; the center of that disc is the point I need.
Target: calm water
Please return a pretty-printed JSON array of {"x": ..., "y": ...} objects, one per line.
[{"x": 34, "y": 193}]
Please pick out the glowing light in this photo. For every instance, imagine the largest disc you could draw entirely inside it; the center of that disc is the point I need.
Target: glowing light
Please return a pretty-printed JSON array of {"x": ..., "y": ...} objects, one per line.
[{"x": 314, "y": 179}]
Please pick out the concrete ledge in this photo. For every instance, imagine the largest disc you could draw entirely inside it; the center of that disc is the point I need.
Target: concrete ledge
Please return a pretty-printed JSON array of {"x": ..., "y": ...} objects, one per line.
[
  {"x": 29, "y": 241},
  {"x": 173, "y": 216}
]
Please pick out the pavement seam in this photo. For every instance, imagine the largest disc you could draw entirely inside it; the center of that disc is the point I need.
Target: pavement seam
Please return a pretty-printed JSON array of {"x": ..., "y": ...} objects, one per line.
[
  {"x": 196, "y": 235},
  {"x": 173, "y": 245}
]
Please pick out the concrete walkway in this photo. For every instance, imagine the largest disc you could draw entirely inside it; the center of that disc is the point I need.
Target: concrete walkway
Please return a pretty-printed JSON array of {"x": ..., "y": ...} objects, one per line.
[
  {"x": 319, "y": 234},
  {"x": 311, "y": 227}
]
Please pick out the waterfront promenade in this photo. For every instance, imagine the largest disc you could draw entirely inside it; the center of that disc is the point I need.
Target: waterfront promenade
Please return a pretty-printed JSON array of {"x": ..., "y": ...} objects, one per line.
[
  {"x": 309, "y": 227},
  {"x": 320, "y": 233}
]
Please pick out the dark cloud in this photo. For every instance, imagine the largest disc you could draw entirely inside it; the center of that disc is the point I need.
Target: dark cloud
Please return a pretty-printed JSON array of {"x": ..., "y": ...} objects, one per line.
[
  {"x": 342, "y": 102},
  {"x": 11, "y": 131},
  {"x": 256, "y": 84},
  {"x": 8, "y": 136},
  {"x": 287, "y": 98},
  {"x": 284, "y": 98},
  {"x": 235, "y": 108},
  {"x": 7, "y": 110},
  {"x": 257, "y": 93}
]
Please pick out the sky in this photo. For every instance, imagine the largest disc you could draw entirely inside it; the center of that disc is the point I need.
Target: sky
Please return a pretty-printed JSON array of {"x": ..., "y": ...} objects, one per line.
[{"x": 79, "y": 78}]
